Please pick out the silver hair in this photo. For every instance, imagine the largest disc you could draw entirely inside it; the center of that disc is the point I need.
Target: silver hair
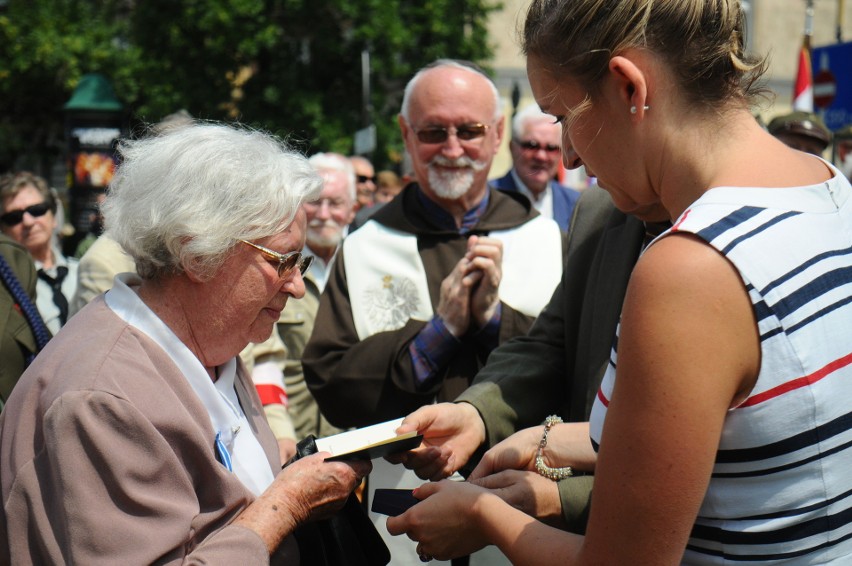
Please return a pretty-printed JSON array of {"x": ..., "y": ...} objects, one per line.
[
  {"x": 180, "y": 201},
  {"x": 463, "y": 65},
  {"x": 530, "y": 114},
  {"x": 336, "y": 162}
]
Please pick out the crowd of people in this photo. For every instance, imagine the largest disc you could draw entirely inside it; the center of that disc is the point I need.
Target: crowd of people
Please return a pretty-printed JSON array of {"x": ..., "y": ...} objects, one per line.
[{"x": 652, "y": 370}]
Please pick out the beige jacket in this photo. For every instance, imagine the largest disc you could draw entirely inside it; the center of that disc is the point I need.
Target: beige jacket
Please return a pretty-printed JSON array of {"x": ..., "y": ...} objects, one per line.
[
  {"x": 97, "y": 269},
  {"x": 107, "y": 457}
]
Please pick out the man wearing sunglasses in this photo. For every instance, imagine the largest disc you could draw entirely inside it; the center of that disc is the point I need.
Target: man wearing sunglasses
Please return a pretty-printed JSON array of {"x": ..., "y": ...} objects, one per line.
[
  {"x": 437, "y": 278},
  {"x": 365, "y": 181},
  {"x": 536, "y": 148},
  {"x": 28, "y": 210}
]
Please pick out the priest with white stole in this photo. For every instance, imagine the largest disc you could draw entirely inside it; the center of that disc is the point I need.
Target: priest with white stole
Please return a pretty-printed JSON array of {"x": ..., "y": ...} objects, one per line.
[{"x": 435, "y": 280}]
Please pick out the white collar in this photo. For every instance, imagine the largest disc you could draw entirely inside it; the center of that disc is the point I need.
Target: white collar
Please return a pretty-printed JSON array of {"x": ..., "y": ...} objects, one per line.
[{"x": 219, "y": 398}]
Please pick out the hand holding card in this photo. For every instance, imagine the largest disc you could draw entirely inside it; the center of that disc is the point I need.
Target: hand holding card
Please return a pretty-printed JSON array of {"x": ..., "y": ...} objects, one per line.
[{"x": 393, "y": 502}]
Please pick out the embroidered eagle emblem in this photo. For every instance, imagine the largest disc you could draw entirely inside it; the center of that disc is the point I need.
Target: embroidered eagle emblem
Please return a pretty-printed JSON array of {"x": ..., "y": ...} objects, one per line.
[{"x": 390, "y": 305}]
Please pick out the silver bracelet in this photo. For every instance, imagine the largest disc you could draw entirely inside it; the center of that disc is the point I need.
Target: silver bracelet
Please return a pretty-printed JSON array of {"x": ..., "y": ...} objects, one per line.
[{"x": 543, "y": 469}]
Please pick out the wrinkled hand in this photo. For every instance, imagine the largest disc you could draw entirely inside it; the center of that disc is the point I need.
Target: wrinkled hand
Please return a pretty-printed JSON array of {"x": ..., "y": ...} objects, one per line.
[
  {"x": 317, "y": 488},
  {"x": 443, "y": 521},
  {"x": 486, "y": 257},
  {"x": 454, "y": 299},
  {"x": 529, "y": 492},
  {"x": 286, "y": 449},
  {"x": 514, "y": 453},
  {"x": 308, "y": 489},
  {"x": 452, "y": 432}
]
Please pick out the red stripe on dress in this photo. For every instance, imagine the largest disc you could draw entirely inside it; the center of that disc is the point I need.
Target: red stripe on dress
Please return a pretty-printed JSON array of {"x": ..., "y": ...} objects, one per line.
[
  {"x": 798, "y": 382},
  {"x": 602, "y": 398},
  {"x": 271, "y": 394},
  {"x": 681, "y": 221}
]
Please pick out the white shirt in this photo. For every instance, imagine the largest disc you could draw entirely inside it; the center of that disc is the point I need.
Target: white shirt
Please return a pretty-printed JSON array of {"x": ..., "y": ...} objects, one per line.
[
  {"x": 543, "y": 203},
  {"x": 248, "y": 459},
  {"x": 44, "y": 292},
  {"x": 319, "y": 268}
]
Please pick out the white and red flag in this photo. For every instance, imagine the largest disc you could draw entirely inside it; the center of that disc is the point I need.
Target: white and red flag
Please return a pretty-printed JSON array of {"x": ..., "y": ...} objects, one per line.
[{"x": 803, "y": 88}]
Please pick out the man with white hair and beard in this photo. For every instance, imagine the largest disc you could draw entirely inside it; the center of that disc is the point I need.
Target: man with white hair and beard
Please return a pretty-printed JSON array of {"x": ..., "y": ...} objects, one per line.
[
  {"x": 436, "y": 279},
  {"x": 327, "y": 219},
  {"x": 329, "y": 215}
]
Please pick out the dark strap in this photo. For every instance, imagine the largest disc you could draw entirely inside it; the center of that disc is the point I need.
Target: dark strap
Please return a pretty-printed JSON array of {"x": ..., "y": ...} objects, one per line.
[
  {"x": 28, "y": 308},
  {"x": 56, "y": 286}
]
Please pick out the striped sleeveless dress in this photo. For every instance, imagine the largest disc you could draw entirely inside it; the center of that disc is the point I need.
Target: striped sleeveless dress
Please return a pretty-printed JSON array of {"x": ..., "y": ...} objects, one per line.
[{"x": 781, "y": 489}]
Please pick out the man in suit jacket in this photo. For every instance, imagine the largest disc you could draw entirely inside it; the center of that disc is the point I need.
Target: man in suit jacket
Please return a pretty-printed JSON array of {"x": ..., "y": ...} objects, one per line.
[
  {"x": 557, "y": 367},
  {"x": 536, "y": 148}
]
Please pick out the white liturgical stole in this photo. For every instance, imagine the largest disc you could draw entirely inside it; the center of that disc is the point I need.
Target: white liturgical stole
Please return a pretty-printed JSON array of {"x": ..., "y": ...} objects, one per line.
[{"x": 387, "y": 278}]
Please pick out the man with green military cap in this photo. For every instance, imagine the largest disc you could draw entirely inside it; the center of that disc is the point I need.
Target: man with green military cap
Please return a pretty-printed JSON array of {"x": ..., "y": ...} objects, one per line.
[{"x": 804, "y": 131}]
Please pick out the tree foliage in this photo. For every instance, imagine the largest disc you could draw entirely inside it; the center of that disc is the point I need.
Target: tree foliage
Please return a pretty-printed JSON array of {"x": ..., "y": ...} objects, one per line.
[{"x": 289, "y": 66}]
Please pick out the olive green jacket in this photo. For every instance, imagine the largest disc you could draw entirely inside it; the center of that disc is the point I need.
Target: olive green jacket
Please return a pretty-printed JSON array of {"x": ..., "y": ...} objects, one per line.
[
  {"x": 557, "y": 367},
  {"x": 295, "y": 327},
  {"x": 16, "y": 337}
]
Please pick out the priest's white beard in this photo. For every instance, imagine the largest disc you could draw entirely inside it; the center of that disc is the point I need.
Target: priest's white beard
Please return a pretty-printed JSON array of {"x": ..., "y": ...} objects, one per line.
[{"x": 454, "y": 181}]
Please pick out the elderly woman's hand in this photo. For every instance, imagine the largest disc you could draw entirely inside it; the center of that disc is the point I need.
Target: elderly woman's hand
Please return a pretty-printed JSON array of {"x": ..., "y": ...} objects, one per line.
[
  {"x": 306, "y": 490},
  {"x": 320, "y": 488}
]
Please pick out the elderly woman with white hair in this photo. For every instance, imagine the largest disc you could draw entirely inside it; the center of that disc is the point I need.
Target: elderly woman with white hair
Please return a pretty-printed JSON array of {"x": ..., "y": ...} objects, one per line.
[{"x": 136, "y": 437}]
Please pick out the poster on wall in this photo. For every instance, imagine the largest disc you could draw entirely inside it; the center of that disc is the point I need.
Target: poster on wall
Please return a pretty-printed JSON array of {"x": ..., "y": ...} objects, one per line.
[
  {"x": 91, "y": 165},
  {"x": 93, "y": 168},
  {"x": 93, "y": 155}
]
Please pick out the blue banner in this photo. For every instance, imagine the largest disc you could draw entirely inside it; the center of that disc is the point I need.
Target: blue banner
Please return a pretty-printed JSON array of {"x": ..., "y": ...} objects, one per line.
[{"x": 832, "y": 69}]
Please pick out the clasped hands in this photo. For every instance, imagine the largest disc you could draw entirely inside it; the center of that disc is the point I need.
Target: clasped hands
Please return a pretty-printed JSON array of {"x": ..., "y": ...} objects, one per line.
[{"x": 469, "y": 293}]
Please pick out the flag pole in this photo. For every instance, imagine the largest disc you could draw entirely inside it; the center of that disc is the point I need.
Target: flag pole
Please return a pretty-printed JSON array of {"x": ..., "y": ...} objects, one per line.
[
  {"x": 809, "y": 23},
  {"x": 841, "y": 4}
]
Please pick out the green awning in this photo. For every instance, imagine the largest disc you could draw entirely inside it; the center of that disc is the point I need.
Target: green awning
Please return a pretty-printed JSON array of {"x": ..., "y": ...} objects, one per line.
[{"x": 94, "y": 92}]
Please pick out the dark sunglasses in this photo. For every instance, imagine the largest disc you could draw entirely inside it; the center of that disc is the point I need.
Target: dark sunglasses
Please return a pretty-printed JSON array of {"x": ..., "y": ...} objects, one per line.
[
  {"x": 14, "y": 217},
  {"x": 531, "y": 145},
  {"x": 439, "y": 134},
  {"x": 364, "y": 178},
  {"x": 286, "y": 262}
]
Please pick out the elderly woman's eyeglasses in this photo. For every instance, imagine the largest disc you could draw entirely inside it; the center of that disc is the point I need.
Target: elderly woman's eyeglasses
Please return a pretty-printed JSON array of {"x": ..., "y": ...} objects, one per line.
[
  {"x": 439, "y": 134},
  {"x": 15, "y": 217},
  {"x": 286, "y": 262}
]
